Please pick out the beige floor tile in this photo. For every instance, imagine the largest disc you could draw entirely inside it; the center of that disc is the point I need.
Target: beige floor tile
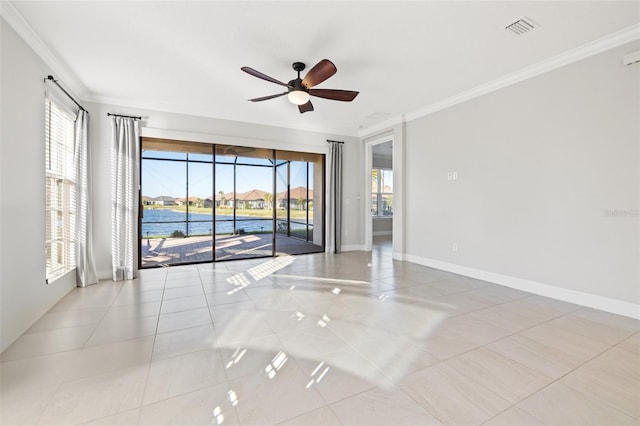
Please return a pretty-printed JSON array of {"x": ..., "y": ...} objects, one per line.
[
  {"x": 579, "y": 347},
  {"x": 102, "y": 359},
  {"x": 174, "y": 343},
  {"x": 458, "y": 285},
  {"x": 26, "y": 407},
  {"x": 179, "y": 292},
  {"x": 539, "y": 356},
  {"x": 230, "y": 311},
  {"x": 604, "y": 383},
  {"x": 48, "y": 342},
  {"x": 607, "y": 328},
  {"x": 616, "y": 362},
  {"x": 29, "y": 374},
  {"x": 249, "y": 357},
  {"x": 456, "y": 304},
  {"x": 382, "y": 407},
  {"x": 92, "y": 297},
  {"x": 243, "y": 325},
  {"x": 172, "y": 377},
  {"x": 558, "y": 404},
  {"x": 502, "y": 317},
  {"x": 445, "y": 344},
  {"x": 96, "y": 397},
  {"x": 126, "y": 329},
  {"x": 136, "y": 297},
  {"x": 506, "y": 378},
  {"x": 183, "y": 319},
  {"x": 128, "y": 418},
  {"x": 208, "y": 406},
  {"x": 183, "y": 304},
  {"x": 278, "y": 394},
  {"x": 137, "y": 310},
  {"x": 451, "y": 397},
  {"x": 513, "y": 416},
  {"x": 320, "y": 417},
  {"x": 476, "y": 330},
  {"x": 64, "y": 319},
  {"x": 543, "y": 307},
  {"x": 225, "y": 297},
  {"x": 342, "y": 374},
  {"x": 494, "y": 294},
  {"x": 631, "y": 344}
]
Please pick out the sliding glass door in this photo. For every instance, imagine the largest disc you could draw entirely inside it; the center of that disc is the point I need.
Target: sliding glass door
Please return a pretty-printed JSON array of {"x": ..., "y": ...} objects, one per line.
[
  {"x": 203, "y": 202},
  {"x": 244, "y": 211}
]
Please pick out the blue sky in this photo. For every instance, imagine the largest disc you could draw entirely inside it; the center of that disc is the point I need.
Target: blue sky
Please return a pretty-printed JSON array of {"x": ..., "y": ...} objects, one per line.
[{"x": 169, "y": 178}]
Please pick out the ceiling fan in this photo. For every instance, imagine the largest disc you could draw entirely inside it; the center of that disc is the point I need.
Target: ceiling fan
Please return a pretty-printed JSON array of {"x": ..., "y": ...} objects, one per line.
[{"x": 300, "y": 89}]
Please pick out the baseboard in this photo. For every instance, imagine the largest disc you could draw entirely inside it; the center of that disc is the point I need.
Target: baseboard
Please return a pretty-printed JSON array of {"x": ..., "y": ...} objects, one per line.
[{"x": 602, "y": 303}]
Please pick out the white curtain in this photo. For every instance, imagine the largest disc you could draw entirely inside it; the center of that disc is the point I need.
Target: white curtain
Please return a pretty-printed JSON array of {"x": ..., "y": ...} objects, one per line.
[
  {"x": 125, "y": 176},
  {"x": 335, "y": 197},
  {"x": 85, "y": 259}
]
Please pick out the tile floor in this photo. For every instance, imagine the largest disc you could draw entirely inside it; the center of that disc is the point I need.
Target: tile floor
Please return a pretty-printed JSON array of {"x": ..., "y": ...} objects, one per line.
[{"x": 320, "y": 340}]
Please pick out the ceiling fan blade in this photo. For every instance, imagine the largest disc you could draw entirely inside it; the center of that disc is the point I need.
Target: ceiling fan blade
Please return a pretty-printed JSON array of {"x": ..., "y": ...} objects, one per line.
[
  {"x": 305, "y": 107},
  {"x": 319, "y": 73},
  {"x": 258, "y": 74},
  {"x": 333, "y": 94},
  {"x": 265, "y": 98}
]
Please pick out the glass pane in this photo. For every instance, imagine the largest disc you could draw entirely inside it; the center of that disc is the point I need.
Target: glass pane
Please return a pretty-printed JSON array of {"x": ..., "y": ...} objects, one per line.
[
  {"x": 386, "y": 183},
  {"x": 248, "y": 229},
  {"x": 164, "y": 217},
  {"x": 374, "y": 204},
  {"x": 386, "y": 204},
  {"x": 201, "y": 157},
  {"x": 282, "y": 198},
  {"x": 198, "y": 248},
  {"x": 300, "y": 200}
]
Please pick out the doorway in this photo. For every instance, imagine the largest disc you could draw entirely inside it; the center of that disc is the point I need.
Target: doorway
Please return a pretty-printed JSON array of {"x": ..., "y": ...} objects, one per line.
[
  {"x": 380, "y": 196},
  {"x": 212, "y": 202}
]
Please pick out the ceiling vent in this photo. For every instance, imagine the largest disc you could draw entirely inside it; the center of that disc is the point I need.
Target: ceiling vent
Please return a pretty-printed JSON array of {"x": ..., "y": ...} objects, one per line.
[{"x": 522, "y": 26}]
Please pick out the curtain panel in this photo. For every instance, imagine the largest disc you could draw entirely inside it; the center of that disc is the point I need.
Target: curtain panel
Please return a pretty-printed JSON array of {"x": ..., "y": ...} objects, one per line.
[
  {"x": 335, "y": 198},
  {"x": 85, "y": 260},
  {"x": 125, "y": 177}
]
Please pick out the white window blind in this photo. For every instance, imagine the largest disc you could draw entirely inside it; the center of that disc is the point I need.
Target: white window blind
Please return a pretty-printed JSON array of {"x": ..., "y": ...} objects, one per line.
[{"x": 60, "y": 190}]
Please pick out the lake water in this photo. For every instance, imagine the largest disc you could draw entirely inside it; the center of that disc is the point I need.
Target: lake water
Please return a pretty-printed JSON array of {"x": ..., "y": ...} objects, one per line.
[{"x": 201, "y": 223}]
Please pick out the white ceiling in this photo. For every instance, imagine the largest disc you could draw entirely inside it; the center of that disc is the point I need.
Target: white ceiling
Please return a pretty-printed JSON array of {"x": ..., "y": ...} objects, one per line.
[{"x": 185, "y": 56}]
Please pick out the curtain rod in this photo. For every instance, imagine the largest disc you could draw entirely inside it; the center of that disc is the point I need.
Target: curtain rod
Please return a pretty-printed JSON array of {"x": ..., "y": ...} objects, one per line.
[
  {"x": 50, "y": 78},
  {"x": 125, "y": 116},
  {"x": 330, "y": 141}
]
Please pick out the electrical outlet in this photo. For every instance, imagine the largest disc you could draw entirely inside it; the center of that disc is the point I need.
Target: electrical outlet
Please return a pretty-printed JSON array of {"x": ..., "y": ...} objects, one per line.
[
  {"x": 455, "y": 175},
  {"x": 455, "y": 247},
  {"x": 449, "y": 176}
]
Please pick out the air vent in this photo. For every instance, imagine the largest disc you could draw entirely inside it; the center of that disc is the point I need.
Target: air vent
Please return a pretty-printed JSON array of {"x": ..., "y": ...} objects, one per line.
[{"x": 522, "y": 26}]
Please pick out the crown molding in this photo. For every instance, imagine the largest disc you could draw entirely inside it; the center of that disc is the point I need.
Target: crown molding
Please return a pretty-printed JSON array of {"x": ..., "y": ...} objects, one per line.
[
  {"x": 60, "y": 70},
  {"x": 600, "y": 45}
]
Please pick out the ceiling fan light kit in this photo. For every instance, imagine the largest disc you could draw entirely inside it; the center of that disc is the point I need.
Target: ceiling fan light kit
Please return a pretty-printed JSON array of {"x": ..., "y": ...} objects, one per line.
[{"x": 300, "y": 90}]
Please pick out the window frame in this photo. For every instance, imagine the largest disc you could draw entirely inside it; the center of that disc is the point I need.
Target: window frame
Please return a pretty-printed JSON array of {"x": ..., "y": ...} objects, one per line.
[
  {"x": 60, "y": 189},
  {"x": 377, "y": 196}
]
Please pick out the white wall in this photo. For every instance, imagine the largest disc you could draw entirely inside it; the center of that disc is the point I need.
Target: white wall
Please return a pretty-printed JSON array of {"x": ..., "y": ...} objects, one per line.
[
  {"x": 24, "y": 295},
  {"x": 209, "y": 130},
  {"x": 540, "y": 165}
]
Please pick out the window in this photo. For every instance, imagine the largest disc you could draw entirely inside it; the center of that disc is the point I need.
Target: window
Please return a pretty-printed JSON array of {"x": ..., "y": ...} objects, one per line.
[
  {"x": 60, "y": 190},
  {"x": 381, "y": 192}
]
